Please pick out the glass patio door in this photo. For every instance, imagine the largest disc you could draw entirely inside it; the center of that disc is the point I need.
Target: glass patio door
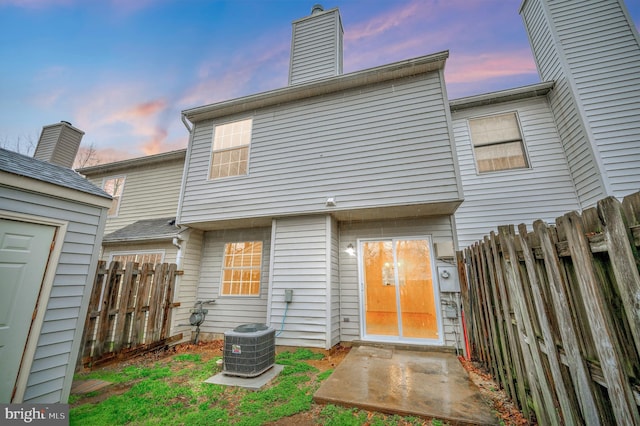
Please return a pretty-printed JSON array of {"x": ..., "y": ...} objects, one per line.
[{"x": 399, "y": 300}]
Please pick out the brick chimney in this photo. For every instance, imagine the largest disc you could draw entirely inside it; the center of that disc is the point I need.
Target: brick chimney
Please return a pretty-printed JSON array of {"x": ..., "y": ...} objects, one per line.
[
  {"x": 58, "y": 144},
  {"x": 316, "y": 46}
]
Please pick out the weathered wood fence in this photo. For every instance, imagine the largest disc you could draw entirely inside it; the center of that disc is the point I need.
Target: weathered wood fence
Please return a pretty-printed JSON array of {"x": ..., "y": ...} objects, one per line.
[
  {"x": 129, "y": 311},
  {"x": 554, "y": 314}
]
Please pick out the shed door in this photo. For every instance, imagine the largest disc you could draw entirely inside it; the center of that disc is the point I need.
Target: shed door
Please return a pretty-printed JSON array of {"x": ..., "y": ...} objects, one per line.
[
  {"x": 398, "y": 286},
  {"x": 24, "y": 253}
]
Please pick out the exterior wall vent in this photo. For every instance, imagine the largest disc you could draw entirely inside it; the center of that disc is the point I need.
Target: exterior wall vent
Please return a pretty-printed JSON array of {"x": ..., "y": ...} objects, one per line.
[{"x": 249, "y": 350}]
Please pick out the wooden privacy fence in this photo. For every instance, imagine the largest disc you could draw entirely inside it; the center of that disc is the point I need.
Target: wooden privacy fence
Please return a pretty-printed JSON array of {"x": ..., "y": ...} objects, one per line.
[
  {"x": 129, "y": 311},
  {"x": 554, "y": 314}
]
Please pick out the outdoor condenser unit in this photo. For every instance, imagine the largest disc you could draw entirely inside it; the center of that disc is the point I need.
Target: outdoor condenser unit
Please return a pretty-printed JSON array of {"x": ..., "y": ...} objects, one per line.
[{"x": 249, "y": 350}]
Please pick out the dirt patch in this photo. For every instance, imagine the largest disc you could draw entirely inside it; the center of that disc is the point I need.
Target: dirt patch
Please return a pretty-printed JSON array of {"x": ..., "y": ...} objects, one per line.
[{"x": 506, "y": 409}]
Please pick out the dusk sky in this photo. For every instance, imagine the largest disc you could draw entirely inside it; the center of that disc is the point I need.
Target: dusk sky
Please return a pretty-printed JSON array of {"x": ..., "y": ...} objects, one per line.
[{"x": 123, "y": 70}]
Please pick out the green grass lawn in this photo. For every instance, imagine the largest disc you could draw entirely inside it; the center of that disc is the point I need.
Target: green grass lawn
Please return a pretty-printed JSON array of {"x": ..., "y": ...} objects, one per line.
[{"x": 172, "y": 392}]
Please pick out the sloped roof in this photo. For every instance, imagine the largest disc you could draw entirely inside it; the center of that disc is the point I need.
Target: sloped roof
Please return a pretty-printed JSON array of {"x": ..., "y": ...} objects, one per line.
[
  {"x": 22, "y": 165},
  {"x": 145, "y": 230}
]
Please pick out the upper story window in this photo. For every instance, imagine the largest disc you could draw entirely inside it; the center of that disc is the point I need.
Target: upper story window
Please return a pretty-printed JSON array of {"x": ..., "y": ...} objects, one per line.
[
  {"x": 230, "y": 156},
  {"x": 113, "y": 186},
  {"x": 497, "y": 143},
  {"x": 241, "y": 268}
]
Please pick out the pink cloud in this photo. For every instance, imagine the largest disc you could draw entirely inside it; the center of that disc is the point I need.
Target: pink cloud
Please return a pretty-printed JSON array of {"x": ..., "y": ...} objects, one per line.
[{"x": 470, "y": 68}]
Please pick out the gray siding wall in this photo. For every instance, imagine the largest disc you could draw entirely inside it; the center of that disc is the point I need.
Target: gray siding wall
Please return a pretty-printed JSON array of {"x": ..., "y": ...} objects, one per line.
[
  {"x": 58, "y": 144},
  {"x": 335, "y": 283},
  {"x": 229, "y": 312},
  {"x": 149, "y": 192},
  {"x": 189, "y": 261},
  {"x": 597, "y": 96},
  {"x": 545, "y": 191},
  {"x": 438, "y": 227},
  {"x": 386, "y": 145},
  {"x": 56, "y": 352},
  {"x": 316, "y": 47},
  {"x": 301, "y": 262}
]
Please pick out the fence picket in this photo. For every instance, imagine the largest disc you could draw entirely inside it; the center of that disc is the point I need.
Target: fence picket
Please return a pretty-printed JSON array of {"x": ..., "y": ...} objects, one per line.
[
  {"x": 565, "y": 300},
  {"x": 129, "y": 310}
]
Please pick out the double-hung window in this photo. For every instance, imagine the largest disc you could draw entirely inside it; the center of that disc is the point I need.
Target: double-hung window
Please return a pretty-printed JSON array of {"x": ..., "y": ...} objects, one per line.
[
  {"x": 497, "y": 143},
  {"x": 241, "y": 269},
  {"x": 113, "y": 185},
  {"x": 230, "y": 156}
]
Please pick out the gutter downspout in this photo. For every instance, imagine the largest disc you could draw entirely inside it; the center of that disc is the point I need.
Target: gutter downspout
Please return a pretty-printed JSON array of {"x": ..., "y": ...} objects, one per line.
[{"x": 185, "y": 169}]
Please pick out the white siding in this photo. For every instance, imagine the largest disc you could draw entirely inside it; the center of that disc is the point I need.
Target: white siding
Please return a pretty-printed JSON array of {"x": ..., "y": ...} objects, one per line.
[
  {"x": 386, "y": 145},
  {"x": 316, "y": 47},
  {"x": 300, "y": 262},
  {"x": 545, "y": 191},
  {"x": 56, "y": 352},
  {"x": 597, "y": 95},
  {"x": 438, "y": 227},
  {"x": 229, "y": 312},
  {"x": 150, "y": 192}
]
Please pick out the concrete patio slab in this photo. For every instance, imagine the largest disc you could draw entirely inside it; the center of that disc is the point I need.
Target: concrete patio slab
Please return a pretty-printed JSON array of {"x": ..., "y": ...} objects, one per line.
[
  {"x": 253, "y": 383},
  {"x": 405, "y": 382}
]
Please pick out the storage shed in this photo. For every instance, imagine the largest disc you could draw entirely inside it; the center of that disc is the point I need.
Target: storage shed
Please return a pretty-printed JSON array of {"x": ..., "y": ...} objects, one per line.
[{"x": 51, "y": 226}]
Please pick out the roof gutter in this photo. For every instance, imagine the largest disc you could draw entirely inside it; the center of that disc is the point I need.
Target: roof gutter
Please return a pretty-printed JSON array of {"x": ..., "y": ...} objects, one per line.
[{"x": 396, "y": 70}]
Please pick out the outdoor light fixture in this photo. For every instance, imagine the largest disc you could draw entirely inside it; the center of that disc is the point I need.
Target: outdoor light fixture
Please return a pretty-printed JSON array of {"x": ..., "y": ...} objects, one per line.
[
  {"x": 351, "y": 251},
  {"x": 331, "y": 202}
]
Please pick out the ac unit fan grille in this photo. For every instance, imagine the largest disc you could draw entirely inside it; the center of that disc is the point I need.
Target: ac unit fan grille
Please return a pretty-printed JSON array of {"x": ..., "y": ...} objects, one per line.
[{"x": 248, "y": 354}]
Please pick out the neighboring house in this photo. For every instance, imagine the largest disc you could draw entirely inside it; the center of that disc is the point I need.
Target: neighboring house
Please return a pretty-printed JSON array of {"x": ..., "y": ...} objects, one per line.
[
  {"x": 51, "y": 226},
  {"x": 348, "y": 194},
  {"x": 141, "y": 220}
]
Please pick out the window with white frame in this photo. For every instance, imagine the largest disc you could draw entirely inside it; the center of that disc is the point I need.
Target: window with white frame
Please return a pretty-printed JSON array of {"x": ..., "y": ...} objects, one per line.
[
  {"x": 497, "y": 143},
  {"x": 241, "y": 269},
  {"x": 114, "y": 185},
  {"x": 230, "y": 155},
  {"x": 153, "y": 257}
]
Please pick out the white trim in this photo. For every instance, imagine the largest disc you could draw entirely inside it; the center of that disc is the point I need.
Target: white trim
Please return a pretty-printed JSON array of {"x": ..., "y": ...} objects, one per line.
[
  {"x": 440, "y": 341},
  {"x": 43, "y": 298},
  {"x": 52, "y": 190},
  {"x": 328, "y": 280},
  {"x": 124, "y": 181},
  {"x": 136, "y": 252},
  {"x": 271, "y": 262}
]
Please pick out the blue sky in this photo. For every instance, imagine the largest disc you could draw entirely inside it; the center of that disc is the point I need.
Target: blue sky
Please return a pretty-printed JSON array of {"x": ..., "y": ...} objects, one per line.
[{"x": 122, "y": 70}]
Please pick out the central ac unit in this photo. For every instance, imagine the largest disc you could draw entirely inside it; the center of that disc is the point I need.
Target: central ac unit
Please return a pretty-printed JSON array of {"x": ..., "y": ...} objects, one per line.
[{"x": 249, "y": 350}]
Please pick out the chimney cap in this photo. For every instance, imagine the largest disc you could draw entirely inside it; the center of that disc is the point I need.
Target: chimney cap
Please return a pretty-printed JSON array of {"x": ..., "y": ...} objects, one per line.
[
  {"x": 317, "y": 8},
  {"x": 66, "y": 122}
]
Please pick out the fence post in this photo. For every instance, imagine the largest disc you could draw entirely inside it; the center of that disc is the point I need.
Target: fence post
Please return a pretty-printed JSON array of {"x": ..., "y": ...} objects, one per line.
[{"x": 603, "y": 332}]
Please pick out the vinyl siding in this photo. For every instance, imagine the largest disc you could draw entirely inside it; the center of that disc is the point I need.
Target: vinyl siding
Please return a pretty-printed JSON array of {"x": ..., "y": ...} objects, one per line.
[
  {"x": 56, "y": 352},
  {"x": 149, "y": 192},
  {"x": 386, "y": 145},
  {"x": 544, "y": 191},
  {"x": 229, "y": 312},
  {"x": 316, "y": 47},
  {"x": 300, "y": 262},
  {"x": 596, "y": 99},
  {"x": 187, "y": 284},
  {"x": 438, "y": 227},
  {"x": 335, "y": 284}
]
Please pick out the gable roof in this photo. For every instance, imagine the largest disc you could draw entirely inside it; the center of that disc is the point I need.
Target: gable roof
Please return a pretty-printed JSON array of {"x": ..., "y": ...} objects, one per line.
[
  {"x": 22, "y": 165},
  {"x": 401, "y": 69},
  {"x": 145, "y": 230}
]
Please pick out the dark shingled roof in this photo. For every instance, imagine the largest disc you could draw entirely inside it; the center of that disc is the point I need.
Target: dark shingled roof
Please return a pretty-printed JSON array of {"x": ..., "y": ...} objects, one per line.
[
  {"x": 146, "y": 229},
  {"x": 22, "y": 165}
]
